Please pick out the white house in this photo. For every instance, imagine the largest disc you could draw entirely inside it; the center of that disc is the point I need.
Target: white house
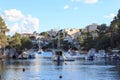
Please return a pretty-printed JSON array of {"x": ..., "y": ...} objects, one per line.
[
  {"x": 68, "y": 38},
  {"x": 91, "y": 27}
]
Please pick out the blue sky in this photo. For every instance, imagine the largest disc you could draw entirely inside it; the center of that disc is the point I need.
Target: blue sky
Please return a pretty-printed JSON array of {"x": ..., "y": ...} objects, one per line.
[{"x": 43, "y": 15}]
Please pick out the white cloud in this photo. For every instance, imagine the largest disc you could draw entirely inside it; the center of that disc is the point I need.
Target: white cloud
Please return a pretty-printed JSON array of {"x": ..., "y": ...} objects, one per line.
[
  {"x": 90, "y": 1},
  {"x": 75, "y": 0},
  {"x": 19, "y": 22},
  {"x": 66, "y": 7},
  {"x": 110, "y": 16},
  {"x": 15, "y": 27},
  {"x": 13, "y": 15},
  {"x": 85, "y": 1}
]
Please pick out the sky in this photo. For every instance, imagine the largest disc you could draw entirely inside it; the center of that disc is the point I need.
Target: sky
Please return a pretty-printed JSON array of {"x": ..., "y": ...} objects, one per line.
[{"x": 43, "y": 15}]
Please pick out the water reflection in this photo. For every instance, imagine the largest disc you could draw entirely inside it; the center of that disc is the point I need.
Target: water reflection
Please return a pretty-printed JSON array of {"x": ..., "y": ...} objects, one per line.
[{"x": 45, "y": 69}]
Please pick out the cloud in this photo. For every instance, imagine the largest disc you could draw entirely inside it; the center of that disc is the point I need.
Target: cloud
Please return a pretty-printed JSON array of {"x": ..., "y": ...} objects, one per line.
[
  {"x": 15, "y": 27},
  {"x": 75, "y": 0},
  {"x": 110, "y": 16},
  {"x": 12, "y": 15},
  {"x": 19, "y": 22},
  {"x": 66, "y": 7},
  {"x": 90, "y": 1},
  {"x": 85, "y": 1}
]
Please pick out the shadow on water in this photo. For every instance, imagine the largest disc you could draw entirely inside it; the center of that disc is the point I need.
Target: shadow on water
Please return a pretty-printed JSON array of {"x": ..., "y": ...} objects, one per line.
[{"x": 58, "y": 63}]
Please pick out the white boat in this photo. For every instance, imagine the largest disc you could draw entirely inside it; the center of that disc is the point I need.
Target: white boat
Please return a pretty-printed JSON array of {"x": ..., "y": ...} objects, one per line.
[
  {"x": 27, "y": 55},
  {"x": 116, "y": 56},
  {"x": 73, "y": 52},
  {"x": 58, "y": 55},
  {"x": 40, "y": 51},
  {"x": 23, "y": 55},
  {"x": 91, "y": 54},
  {"x": 101, "y": 54}
]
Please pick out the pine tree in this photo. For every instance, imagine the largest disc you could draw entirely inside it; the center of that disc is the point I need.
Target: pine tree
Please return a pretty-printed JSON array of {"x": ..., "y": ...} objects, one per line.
[{"x": 3, "y": 30}]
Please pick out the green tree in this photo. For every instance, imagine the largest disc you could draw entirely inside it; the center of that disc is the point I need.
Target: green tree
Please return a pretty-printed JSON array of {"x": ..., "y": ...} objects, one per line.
[
  {"x": 45, "y": 34},
  {"x": 26, "y": 43},
  {"x": 3, "y": 27},
  {"x": 88, "y": 43},
  {"x": 3, "y": 30},
  {"x": 114, "y": 29},
  {"x": 102, "y": 30},
  {"x": 15, "y": 41},
  {"x": 80, "y": 39},
  {"x": 103, "y": 43},
  {"x": 3, "y": 40}
]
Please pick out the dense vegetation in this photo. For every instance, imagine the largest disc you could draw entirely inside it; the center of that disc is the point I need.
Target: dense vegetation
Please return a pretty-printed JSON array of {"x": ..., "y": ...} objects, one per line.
[
  {"x": 15, "y": 41},
  {"x": 108, "y": 37},
  {"x": 3, "y": 30}
]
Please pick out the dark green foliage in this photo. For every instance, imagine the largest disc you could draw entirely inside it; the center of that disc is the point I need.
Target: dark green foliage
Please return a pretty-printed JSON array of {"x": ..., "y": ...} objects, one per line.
[
  {"x": 45, "y": 34},
  {"x": 103, "y": 43},
  {"x": 80, "y": 39},
  {"x": 88, "y": 43},
  {"x": 26, "y": 43},
  {"x": 115, "y": 31},
  {"x": 108, "y": 36}
]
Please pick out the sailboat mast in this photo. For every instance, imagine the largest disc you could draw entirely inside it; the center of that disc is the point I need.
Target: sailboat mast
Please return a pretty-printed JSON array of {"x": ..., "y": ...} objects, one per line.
[{"x": 58, "y": 45}]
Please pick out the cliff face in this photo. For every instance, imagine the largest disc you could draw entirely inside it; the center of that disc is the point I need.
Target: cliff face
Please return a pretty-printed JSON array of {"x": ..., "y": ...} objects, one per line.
[{"x": 7, "y": 52}]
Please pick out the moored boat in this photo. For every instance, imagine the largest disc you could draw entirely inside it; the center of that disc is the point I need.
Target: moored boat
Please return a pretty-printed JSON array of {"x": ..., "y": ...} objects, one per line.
[
  {"x": 27, "y": 55},
  {"x": 23, "y": 55},
  {"x": 40, "y": 51},
  {"x": 91, "y": 54},
  {"x": 58, "y": 55},
  {"x": 101, "y": 54}
]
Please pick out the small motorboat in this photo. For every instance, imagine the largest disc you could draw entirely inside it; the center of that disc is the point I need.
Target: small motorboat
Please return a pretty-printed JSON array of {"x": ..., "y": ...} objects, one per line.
[
  {"x": 58, "y": 55},
  {"x": 101, "y": 54},
  {"x": 23, "y": 55},
  {"x": 73, "y": 52},
  {"x": 27, "y": 55},
  {"x": 91, "y": 54},
  {"x": 116, "y": 56},
  {"x": 40, "y": 51}
]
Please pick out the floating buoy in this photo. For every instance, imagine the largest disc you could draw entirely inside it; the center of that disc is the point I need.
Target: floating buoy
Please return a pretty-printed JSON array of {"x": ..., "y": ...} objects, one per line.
[
  {"x": 23, "y": 69},
  {"x": 60, "y": 76}
]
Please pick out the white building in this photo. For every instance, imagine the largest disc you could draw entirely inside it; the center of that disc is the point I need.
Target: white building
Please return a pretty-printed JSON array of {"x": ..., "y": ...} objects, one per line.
[
  {"x": 52, "y": 32},
  {"x": 68, "y": 38},
  {"x": 91, "y": 27},
  {"x": 72, "y": 31}
]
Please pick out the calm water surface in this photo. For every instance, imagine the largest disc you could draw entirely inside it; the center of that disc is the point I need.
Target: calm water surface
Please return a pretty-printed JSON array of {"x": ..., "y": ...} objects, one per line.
[{"x": 45, "y": 69}]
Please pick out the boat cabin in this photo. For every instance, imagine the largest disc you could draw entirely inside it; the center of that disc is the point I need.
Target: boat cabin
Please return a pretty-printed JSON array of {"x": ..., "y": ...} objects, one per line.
[{"x": 58, "y": 55}]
